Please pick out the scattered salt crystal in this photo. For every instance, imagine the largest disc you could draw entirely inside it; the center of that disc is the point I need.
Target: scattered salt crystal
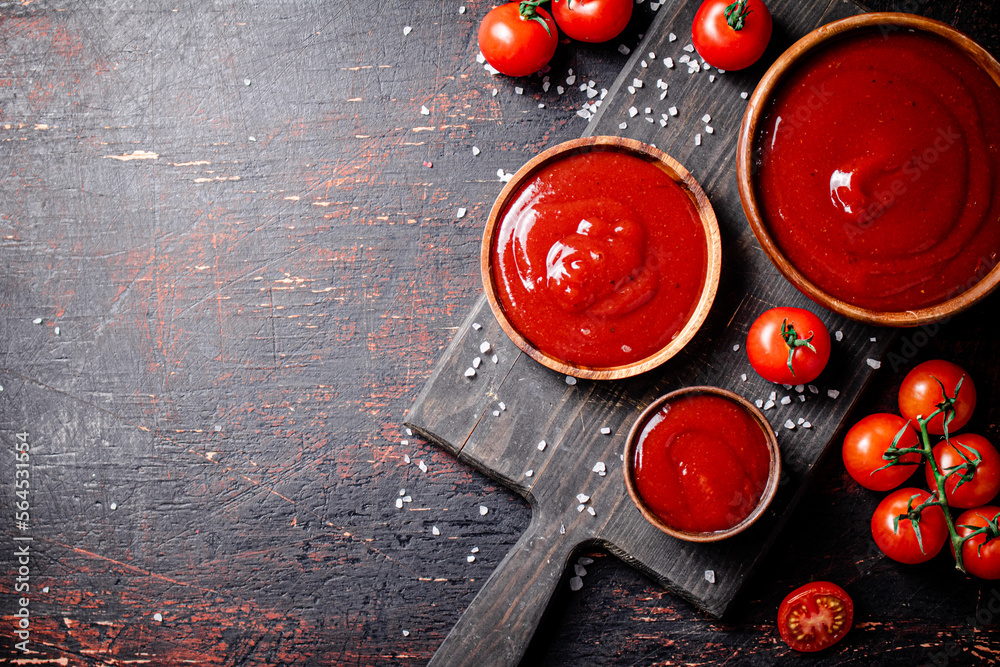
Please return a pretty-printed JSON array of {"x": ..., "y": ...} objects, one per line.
[
  {"x": 652, "y": 56},
  {"x": 461, "y": 10},
  {"x": 801, "y": 421},
  {"x": 580, "y": 570},
  {"x": 580, "y": 507},
  {"x": 470, "y": 372},
  {"x": 663, "y": 123},
  {"x": 494, "y": 92},
  {"x": 832, "y": 393},
  {"x": 605, "y": 430},
  {"x": 494, "y": 359},
  {"x": 502, "y": 405},
  {"x": 114, "y": 506},
  {"x": 697, "y": 139},
  {"x": 802, "y": 398},
  {"x": 648, "y": 110},
  {"x": 422, "y": 466},
  {"x": 560, "y": 90},
  {"x": 711, "y": 78},
  {"x": 470, "y": 558},
  {"x": 710, "y": 576},
  {"x": 529, "y": 473},
  {"x": 477, "y": 326},
  {"x": 813, "y": 389},
  {"x": 622, "y": 125},
  {"x": 839, "y": 335},
  {"x": 158, "y": 617},
  {"x": 483, "y": 509},
  {"x": 671, "y": 37},
  {"x": 460, "y": 213},
  {"x": 545, "y": 86},
  {"x": 736, "y": 348},
  {"x": 774, "y": 395},
  {"x": 541, "y": 446},
  {"x": 519, "y": 90},
  {"x": 424, "y": 111},
  {"x": 582, "y": 497},
  {"x": 402, "y": 492},
  {"x": 689, "y": 48},
  {"x": 874, "y": 363},
  {"x": 705, "y": 66},
  {"x": 591, "y": 93},
  {"x": 585, "y": 561},
  {"x": 632, "y": 111},
  {"x": 562, "y": 529},
  {"x": 806, "y": 425},
  {"x": 785, "y": 400},
  {"x": 496, "y": 413},
  {"x": 591, "y": 511},
  {"x": 406, "y": 458},
  {"x": 246, "y": 82},
  {"x": 480, "y": 58},
  {"x": 571, "y": 80},
  {"x": 599, "y": 468},
  {"x": 476, "y": 362},
  {"x": 800, "y": 388},
  {"x": 643, "y": 64},
  {"x": 743, "y": 94},
  {"x": 407, "y": 499},
  {"x": 672, "y": 111},
  {"x": 570, "y": 380},
  {"x": 624, "y": 50},
  {"x": 474, "y": 550},
  {"x": 769, "y": 405},
  {"x": 669, "y": 62},
  {"x": 637, "y": 83},
  {"x": 759, "y": 403},
  {"x": 684, "y": 59},
  {"x": 787, "y": 386},
  {"x": 407, "y": 30},
  {"x": 37, "y": 320},
  {"x": 435, "y": 530},
  {"x": 706, "y": 118},
  {"x": 484, "y": 347},
  {"x": 399, "y": 503},
  {"x": 743, "y": 377},
  {"x": 575, "y": 583},
  {"x": 789, "y": 424},
  {"x": 406, "y": 633},
  {"x": 874, "y": 339},
  {"x": 709, "y": 129}
]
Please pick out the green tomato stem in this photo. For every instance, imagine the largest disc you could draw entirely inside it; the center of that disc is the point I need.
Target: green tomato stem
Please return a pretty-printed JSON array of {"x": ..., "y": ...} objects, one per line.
[
  {"x": 736, "y": 14},
  {"x": 793, "y": 342}
]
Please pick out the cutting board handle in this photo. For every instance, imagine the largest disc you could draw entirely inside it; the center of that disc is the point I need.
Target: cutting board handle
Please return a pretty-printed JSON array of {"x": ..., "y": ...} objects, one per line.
[{"x": 496, "y": 628}]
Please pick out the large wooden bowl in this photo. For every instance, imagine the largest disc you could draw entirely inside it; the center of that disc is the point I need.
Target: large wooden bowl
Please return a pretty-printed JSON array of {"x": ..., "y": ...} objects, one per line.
[
  {"x": 676, "y": 172},
  {"x": 773, "y": 477},
  {"x": 757, "y": 109}
]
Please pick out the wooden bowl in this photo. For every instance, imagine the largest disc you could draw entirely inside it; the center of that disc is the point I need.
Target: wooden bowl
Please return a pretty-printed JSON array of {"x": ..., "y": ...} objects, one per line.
[
  {"x": 676, "y": 172},
  {"x": 774, "y": 470},
  {"x": 757, "y": 109}
]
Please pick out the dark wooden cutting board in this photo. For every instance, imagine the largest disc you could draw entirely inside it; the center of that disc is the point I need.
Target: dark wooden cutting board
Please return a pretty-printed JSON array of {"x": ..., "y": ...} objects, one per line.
[{"x": 496, "y": 419}]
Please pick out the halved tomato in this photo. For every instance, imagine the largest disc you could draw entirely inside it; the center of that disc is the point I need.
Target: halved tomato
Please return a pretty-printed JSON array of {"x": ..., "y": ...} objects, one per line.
[{"x": 815, "y": 616}]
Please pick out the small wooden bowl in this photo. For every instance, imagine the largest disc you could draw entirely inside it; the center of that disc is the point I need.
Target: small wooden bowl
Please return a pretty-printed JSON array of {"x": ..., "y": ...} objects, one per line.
[
  {"x": 755, "y": 112},
  {"x": 774, "y": 470},
  {"x": 681, "y": 176}
]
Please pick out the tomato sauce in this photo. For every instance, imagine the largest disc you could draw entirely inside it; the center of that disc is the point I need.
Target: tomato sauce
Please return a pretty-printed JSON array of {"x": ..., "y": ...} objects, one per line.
[
  {"x": 600, "y": 259},
  {"x": 879, "y": 170},
  {"x": 701, "y": 463}
]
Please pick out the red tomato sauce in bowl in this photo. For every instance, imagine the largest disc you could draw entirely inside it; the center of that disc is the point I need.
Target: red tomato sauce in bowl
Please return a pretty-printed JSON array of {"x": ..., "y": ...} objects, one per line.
[
  {"x": 877, "y": 168},
  {"x": 701, "y": 463},
  {"x": 600, "y": 259}
]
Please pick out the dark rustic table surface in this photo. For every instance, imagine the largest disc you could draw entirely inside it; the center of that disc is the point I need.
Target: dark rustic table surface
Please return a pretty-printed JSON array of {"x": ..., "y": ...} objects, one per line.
[{"x": 236, "y": 239}]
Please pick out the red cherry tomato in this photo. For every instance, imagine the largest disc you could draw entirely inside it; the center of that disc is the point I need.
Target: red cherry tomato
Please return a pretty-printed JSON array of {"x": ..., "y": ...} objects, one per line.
[
  {"x": 868, "y": 440},
  {"x": 815, "y": 616},
  {"x": 920, "y": 394},
  {"x": 985, "y": 481},
  {"x": 733, "y": 42},
  {"x": 592, "y": 20},
  {"x": 768, "y": 347},
  {"x": 980, "y": 554},
  {"x": 897, "y": 539},
  {"x": 517, "y": 46}
]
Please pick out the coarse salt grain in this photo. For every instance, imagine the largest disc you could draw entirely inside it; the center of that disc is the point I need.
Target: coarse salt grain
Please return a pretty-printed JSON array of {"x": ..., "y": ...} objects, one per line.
[
  {"x": 632, "y": 111},
  {"x": 579, "y": 570},
  {"x": 37, "y": 320},
  {"x": 672, "y": 111},
  {"x": 591, "y": 511},
  {"x": 709, "y": 129},
  {"x": 622, "y": 125},
  {"x": 800, "y": 388},
  {"x": 476, "y": 362},
  {"x": 424, "y": 111},
  {"x": 671, "y": 37},
  {"x": 605, "y": 430},
  {"x": 743, "y": 94},
  {"x": 806, "y": 425},
  {"x": 706, "y": 118},
  {"x": 689, "y": 48},
  {"x": 789, "y": 424},
  {"x": 669, "y": 62},
  {"x": 483, "y": 510},
  {"x": 474, "y": 550},
  {"x": 813, "y": 389},
  {"x": 874, "y": 363},
  {"x": 407, "y": 499},
  {"x": 399, "y": 503},
  {"x": 736, "y": 348},
  {"x": 470, "y": 372},
  {"x": 759, "y": 403},
  {"x": 407, "y": 30},
  {"x": 599, "y": 467},
  {"x": 477, "y": 326},
  {"x": 502, "y": 405},
  {"x": 422, "y": 466},
  {"x": 769, "y": 405},
  {"x": 637, "y": 83},
  {"x": 684, "y": 59},
  {"x": 785, "y": 400},
  {"x": 710, "y": 576},
  {"x": 435, "y": 530},
  {"x": 697, "y": 139},
  {"x": 580, "y": 507},
  {"x": 570, "y": 380},
  {"x": 496, "y": 413},
  {"x": 460, "y": 213},
  {"x": 575, "y": 583},
  {"x": 874, "y": 339},
  {"x": 743, "y": 377},
  {"x": 406, "y": 633},
  {"x": 158, "y": 617},
  {"x": 529, "y": 473},
  {"x": 624, "y": 50},
  {"x": 406, "y": 458},
  {"x": 470, "y": 558},
  {"x": 484, "y": 347},
  {"x": 839, "y": 335},
  {"x": 541, "y": 446},
  {"x": 582, "y": 497},
  {"x": 494, "y": 358},
  {"x": 832, "y": 393}
]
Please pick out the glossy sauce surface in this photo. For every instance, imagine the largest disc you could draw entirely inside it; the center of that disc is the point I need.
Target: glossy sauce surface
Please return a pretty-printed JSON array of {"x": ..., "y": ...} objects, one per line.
[
  {"x": 600, "y": 259},
  {"x": 879, "y": 170},
  {"x": 701, "y": 463}
]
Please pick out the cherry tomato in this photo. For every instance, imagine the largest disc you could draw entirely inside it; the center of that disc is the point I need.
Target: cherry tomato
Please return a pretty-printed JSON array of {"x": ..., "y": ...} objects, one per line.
[
  {"x": 733, "y": 42},
  {"x": 815, "y": 616},
  {"x": 985, "y": 481},
  {"x": 920, "y": 394},
  {"x": 517, "y": 46},
  {"x": 592, "y": 20},
  {"x": 900, "y": 542},
  {"x": 772, "y": 337},
  {"x": 980, "y": 555},
  {"x": 868, "y": 440}
]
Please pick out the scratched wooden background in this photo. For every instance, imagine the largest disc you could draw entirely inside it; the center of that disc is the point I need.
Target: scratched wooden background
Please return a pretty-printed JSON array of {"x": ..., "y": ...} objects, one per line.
[{"x": 239, "y": 233}]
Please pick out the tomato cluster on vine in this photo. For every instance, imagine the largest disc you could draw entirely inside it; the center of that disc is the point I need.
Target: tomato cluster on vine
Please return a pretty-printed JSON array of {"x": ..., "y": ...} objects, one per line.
[{"x": 882, "y": 451}]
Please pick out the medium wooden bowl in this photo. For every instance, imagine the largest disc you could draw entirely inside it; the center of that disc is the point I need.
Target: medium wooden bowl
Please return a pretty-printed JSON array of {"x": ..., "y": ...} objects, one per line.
[
  {"x": 757, "y": 109},
  {"x": 676, "y": 172},
  {"x": 774, "y": 471}
]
